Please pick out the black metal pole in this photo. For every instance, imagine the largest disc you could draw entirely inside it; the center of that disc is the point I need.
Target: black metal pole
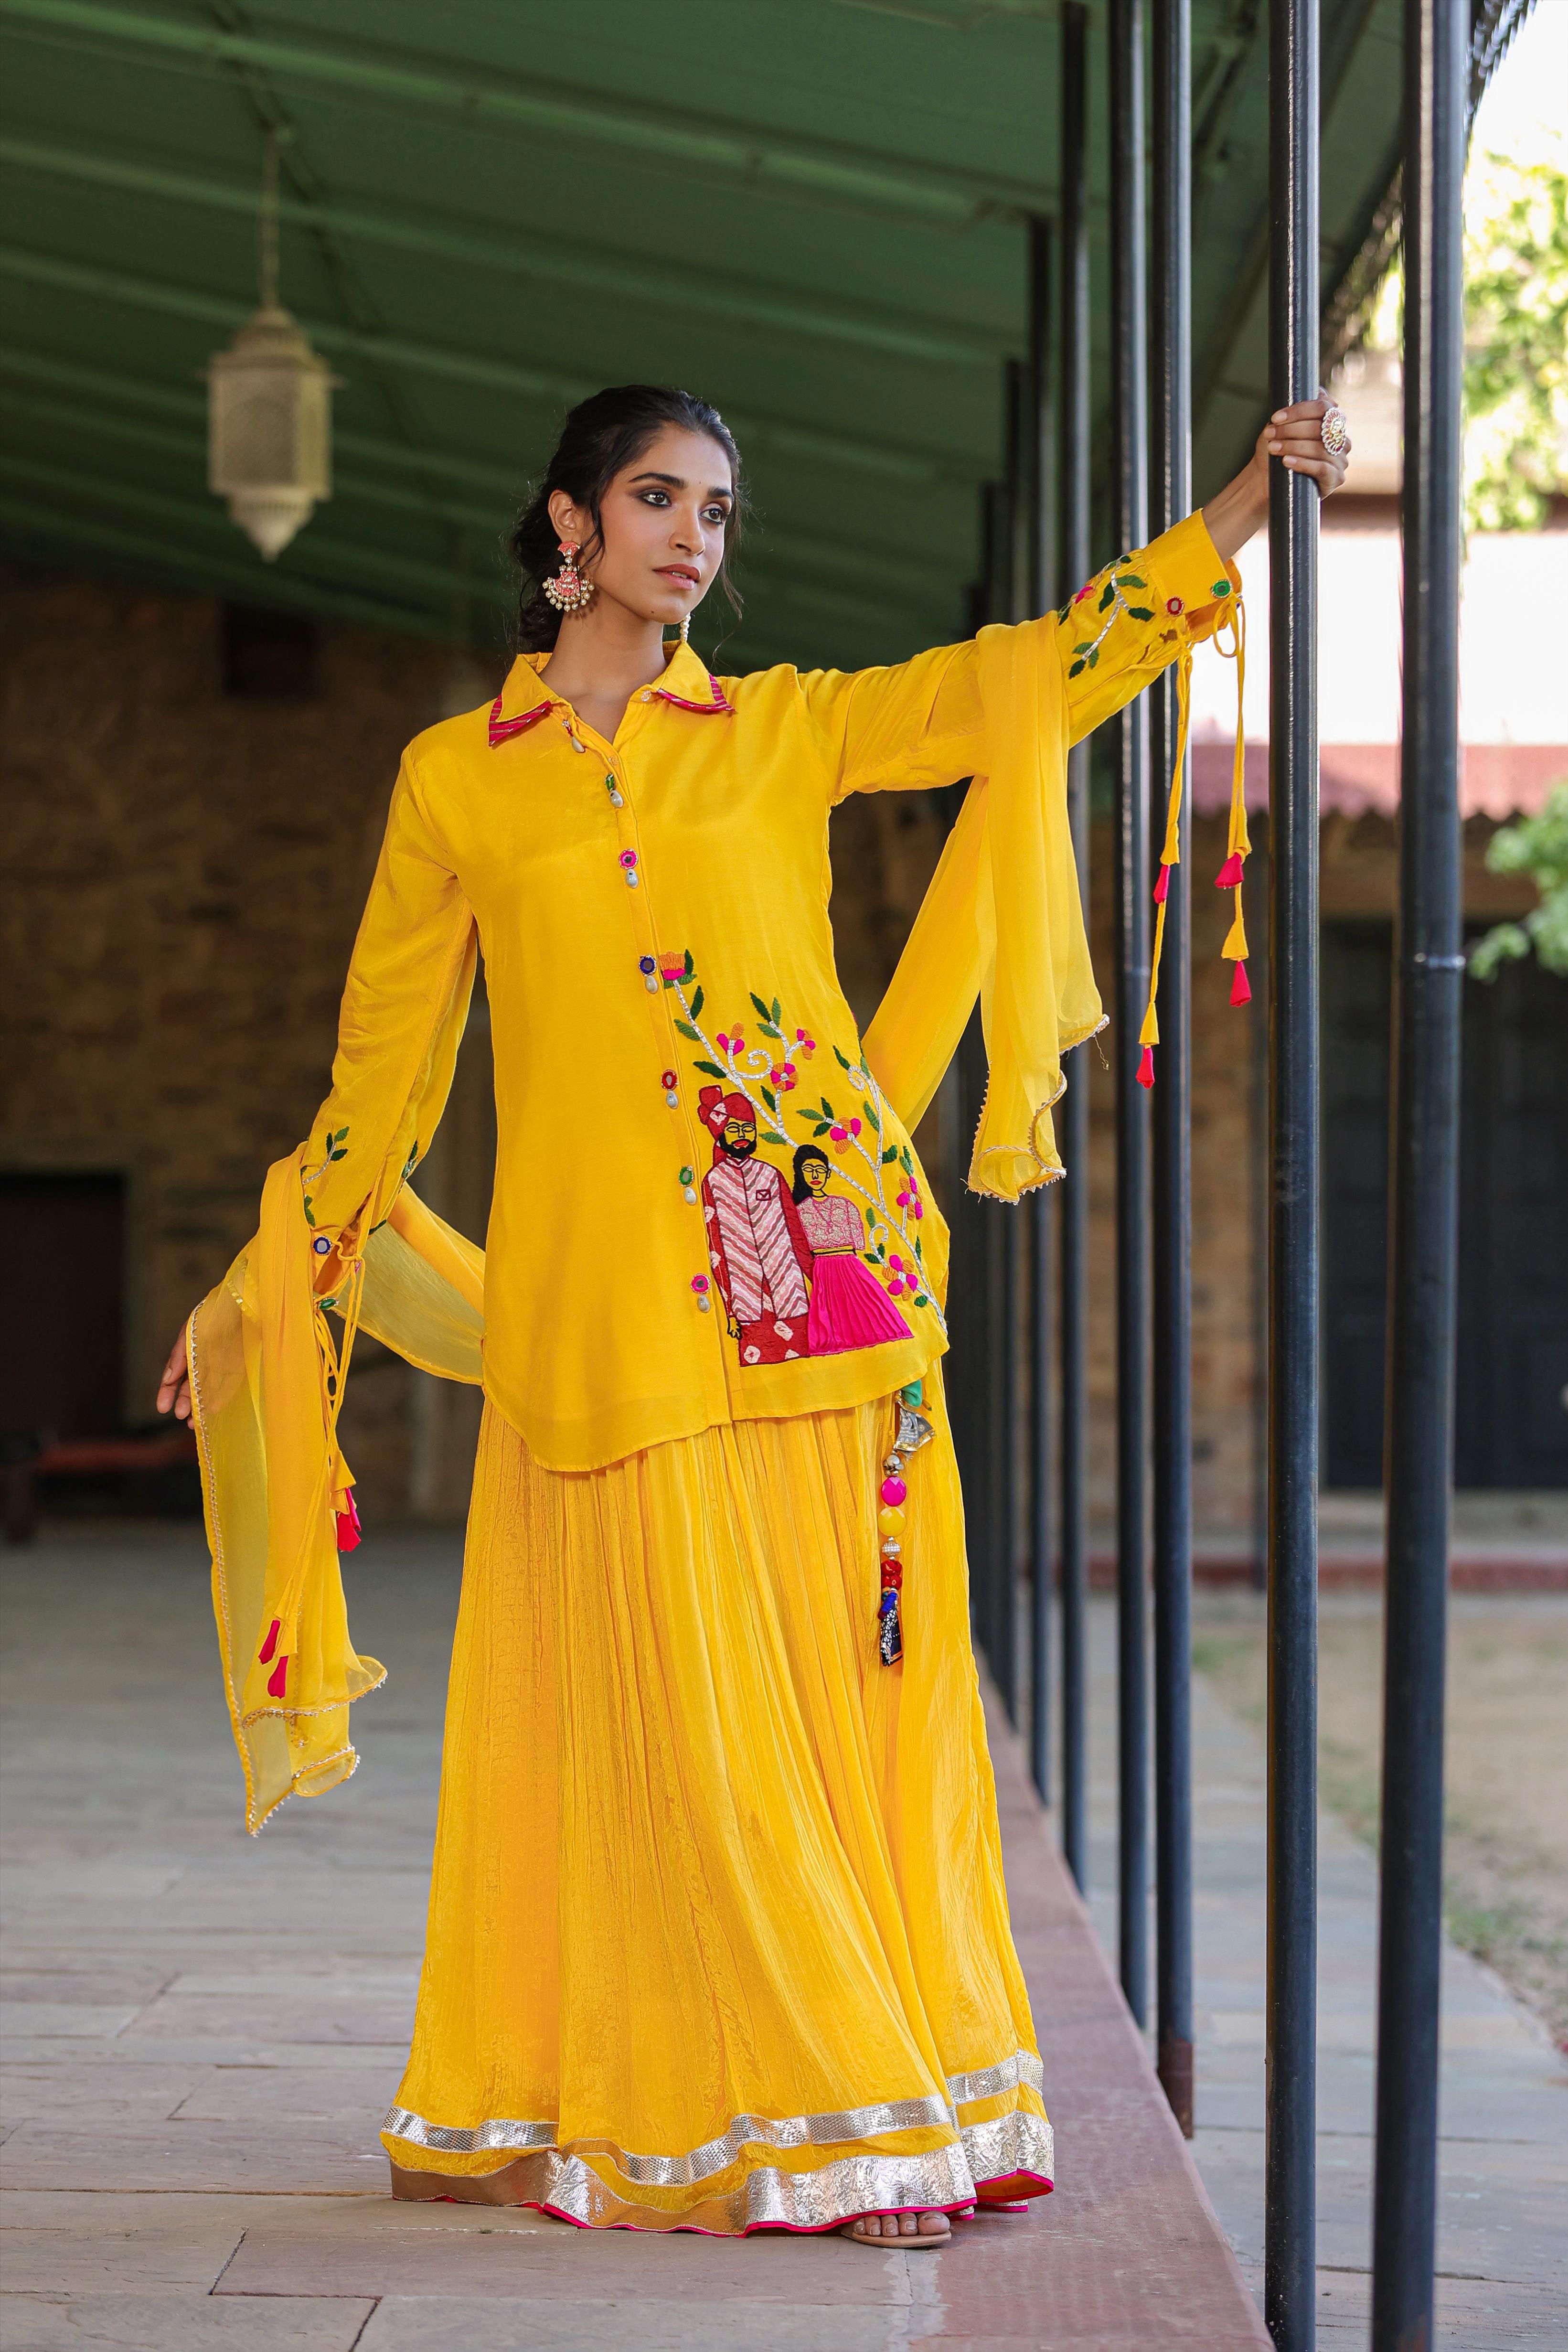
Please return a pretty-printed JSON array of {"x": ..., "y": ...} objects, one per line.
[
  {"x": 1290, "y": 1999},
  {"x": 1171, "y": 326},
  {"x": 1072, "y": 570},
  {"x": 1428, "y": 977},
  {"x": 1038, "y": 596},
  {"x": 1129, "y": 401},
  {"x": 1007, "y": 1240}
]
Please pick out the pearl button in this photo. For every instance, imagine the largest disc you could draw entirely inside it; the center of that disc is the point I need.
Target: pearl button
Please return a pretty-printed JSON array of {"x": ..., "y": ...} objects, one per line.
[
  {"x": 630, "y": 878},
  {"x": 646, "y": 694},
  {"x": 673, "y": 1100},
  {"x": 689, "y": 1197},
  {"x": 702, "y": 1303},
  {"x": 652, "y": 986}
]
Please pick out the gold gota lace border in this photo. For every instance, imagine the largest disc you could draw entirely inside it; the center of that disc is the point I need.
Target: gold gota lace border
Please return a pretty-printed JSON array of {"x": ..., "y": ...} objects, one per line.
[
  {"x": 766, "y": 2199},
  {"x": 1015, "y": 2149},
  {"x": 717, "y": 2155}
]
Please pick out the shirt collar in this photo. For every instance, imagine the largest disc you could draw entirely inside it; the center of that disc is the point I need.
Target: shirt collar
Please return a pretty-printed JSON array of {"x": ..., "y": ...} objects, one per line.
[{"x": 522, "y": 702}]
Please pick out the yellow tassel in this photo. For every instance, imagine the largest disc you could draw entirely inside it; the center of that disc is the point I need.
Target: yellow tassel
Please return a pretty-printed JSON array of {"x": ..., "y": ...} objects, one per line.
[
  {"x": 1149, "y": 1034},
  {"x": 1234, "y": 947}
]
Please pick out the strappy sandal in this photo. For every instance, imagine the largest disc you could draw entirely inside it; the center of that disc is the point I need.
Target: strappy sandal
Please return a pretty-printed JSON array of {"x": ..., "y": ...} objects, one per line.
[{"x": 919, "y": 2239}]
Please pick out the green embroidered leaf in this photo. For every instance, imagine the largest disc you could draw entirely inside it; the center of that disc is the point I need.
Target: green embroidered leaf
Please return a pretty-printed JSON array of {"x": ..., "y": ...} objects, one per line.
[
  {"x": 769, "y": 1029},
  {"x": 759, "y": 1005},
  {"x": 687, "y": 1031},
  {"x": 691, "y": 968},
  {"x": 821, "y": 1127},
  {"x": 696, "y": 1004},
  {"x": 712, "y": 1070},
  {"x": 1094, "y": 658},
  {"x": 771, "y": 1135},
  {"x": 908, "y": 1162},
  {"x": 1130, "y": 580},
  {"x": 843, "y": 1062},
  {"x": 918, "y": 1251},
  {"x": 891, "y": 1154},
  {"x": 1140, "y": 613},
  {"x": 778, "y": 1009},
  {"x": 308, "y": 1218},
  {"x": 1075, "y": 668},
  {"x": 340, "y": 1153},
  {"x": 1084, "y": 646},
  {"x": 770, "y": 1099},
  {"x": 1108, "y": 596},
  {"x": 921, "y": 1299}
]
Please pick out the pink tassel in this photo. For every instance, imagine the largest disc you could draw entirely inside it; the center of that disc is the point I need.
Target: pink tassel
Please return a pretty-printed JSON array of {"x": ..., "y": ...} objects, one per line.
[
  {"x": 279, "y": 1679},
  {"x": 1146, "y": 1067},
  {"x": 349, "y": 1527},
  {"x": 1241, "y": 987},
  {"x": 1229, "y": 875},
  {"x": 1162, "y": 885},
  {"x": 263, "y": 1655}
]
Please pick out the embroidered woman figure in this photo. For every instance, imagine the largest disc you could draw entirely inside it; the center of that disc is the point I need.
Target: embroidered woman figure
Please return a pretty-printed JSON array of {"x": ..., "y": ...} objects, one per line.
[{"x": 850, "y": 1308}]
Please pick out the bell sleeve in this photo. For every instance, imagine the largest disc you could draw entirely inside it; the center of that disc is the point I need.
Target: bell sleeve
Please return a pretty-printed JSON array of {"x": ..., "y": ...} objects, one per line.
[
  {"x": 266, "y": 1371},
  {"x": 1003, "y": 920}
]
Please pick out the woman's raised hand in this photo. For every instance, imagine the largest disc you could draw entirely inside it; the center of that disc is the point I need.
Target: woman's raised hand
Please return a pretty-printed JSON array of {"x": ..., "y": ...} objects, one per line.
[
  {"x": 174, "y": 1388},
  {"x": 1294, "y": 436}
]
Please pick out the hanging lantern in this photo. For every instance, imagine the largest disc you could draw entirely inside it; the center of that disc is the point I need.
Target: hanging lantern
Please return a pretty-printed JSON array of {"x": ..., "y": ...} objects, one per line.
[{"x": 269, "y": 408}]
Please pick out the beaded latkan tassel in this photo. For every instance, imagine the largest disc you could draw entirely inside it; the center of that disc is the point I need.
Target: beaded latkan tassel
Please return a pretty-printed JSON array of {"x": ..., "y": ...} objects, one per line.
[
  {"x": 912, "y": 1431},
  {"x": 1238, "y": 847}
]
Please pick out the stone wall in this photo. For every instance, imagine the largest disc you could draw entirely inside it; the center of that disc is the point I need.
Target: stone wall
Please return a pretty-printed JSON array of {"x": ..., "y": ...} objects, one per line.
[{"x": 187, "y": 869}]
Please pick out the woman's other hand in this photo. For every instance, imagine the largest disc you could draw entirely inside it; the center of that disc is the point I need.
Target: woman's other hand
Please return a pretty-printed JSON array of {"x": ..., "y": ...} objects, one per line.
[
  {"x": 1294, "y": 437},
  {"x": 174, "y": 1388}
]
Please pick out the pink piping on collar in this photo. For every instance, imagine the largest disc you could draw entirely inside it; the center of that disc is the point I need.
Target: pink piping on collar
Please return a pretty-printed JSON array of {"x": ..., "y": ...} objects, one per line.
[
  {"x": 503, "y": 730},
  {"x": 703, "y": 710}
]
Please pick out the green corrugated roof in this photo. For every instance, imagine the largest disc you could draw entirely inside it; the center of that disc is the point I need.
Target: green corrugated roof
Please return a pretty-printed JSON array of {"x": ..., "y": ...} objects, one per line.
[{"x": 811, "y": 210}]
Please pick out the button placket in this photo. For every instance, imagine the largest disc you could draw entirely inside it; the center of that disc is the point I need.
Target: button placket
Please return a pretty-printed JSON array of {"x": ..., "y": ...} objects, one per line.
[{"x": 646, "y": 965}]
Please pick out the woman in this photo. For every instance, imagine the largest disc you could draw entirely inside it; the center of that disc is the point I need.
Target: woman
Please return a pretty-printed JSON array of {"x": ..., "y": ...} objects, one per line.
[
  {"x": 849, "y": 1308},
  {"x": 717, "y": 1933}
]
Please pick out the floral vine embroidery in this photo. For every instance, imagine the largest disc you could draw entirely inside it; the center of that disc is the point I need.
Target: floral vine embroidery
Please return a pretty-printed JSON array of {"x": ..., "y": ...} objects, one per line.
[
  {"x": 766, "y": 1074},
  {"x": 337, "y": 1142},
  {"x": 1112, "y": 602}
]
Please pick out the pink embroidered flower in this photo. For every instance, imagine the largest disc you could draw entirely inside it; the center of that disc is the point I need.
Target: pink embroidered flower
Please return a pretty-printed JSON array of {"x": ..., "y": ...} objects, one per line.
[
  {"x": 854, "y": 1127},
  {"x": 786, "y": 1076},
  {"x": 897, "y": 1264},
  {"x": 1084, "y": 592},
  {"x": 895, "y": 1288},
  {"x": 723, "y": 1042},
  {"x": 841, "y": 1136}
]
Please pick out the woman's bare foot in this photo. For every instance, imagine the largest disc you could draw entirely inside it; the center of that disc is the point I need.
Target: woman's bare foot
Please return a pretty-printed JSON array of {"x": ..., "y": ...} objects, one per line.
[{"x": 881, "y": 2229}]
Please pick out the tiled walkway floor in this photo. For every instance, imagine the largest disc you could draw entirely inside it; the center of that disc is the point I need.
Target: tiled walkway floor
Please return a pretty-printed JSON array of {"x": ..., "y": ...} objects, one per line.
[
  {"x": 201, "y": 2032},
  {"x": 1504, "y": 2181}
]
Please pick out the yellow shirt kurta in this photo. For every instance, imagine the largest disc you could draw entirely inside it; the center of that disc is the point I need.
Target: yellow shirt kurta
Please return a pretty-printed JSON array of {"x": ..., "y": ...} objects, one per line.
[{"x": 654, "y": 918}]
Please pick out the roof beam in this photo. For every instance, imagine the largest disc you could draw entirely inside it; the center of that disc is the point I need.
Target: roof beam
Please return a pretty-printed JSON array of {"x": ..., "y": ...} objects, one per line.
[
  {"x": 542, "y": 387},
  {"x": 143, "y": 552},
  {"x": 885, "y": 571},
  {"x": 578, "y": 268},
  {"x": 771, "y": 161},
  {"x": 787, "y": 578},
  {"x": 356, "y": 563}
]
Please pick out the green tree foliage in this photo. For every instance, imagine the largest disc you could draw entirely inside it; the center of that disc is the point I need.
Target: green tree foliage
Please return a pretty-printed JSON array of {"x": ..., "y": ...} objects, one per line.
[
  {"x": 1538, "y": 847},
  {"x": 1516, "y": 356}
]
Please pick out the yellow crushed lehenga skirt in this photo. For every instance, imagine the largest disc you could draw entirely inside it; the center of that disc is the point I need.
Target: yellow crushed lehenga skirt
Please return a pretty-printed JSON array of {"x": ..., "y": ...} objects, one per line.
[{"x": 718, "y": 1936}]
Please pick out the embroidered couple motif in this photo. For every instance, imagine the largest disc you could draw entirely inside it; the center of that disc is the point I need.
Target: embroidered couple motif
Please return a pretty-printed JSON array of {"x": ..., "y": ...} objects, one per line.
[
  {"x": 787, "y": 1259},
  {"x": 802, "y": 1271}
]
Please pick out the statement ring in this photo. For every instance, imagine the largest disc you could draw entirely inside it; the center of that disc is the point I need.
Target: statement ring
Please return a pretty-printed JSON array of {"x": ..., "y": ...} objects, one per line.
[{"x": 1334, "y": 433}]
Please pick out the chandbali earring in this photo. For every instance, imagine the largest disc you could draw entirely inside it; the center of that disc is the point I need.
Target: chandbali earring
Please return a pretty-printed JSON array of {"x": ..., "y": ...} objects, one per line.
[{"x": 570, "y": 590}]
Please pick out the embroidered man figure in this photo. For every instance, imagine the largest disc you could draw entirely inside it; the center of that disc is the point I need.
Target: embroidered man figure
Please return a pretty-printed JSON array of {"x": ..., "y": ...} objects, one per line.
[{"x": 757, "y": 1244}]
